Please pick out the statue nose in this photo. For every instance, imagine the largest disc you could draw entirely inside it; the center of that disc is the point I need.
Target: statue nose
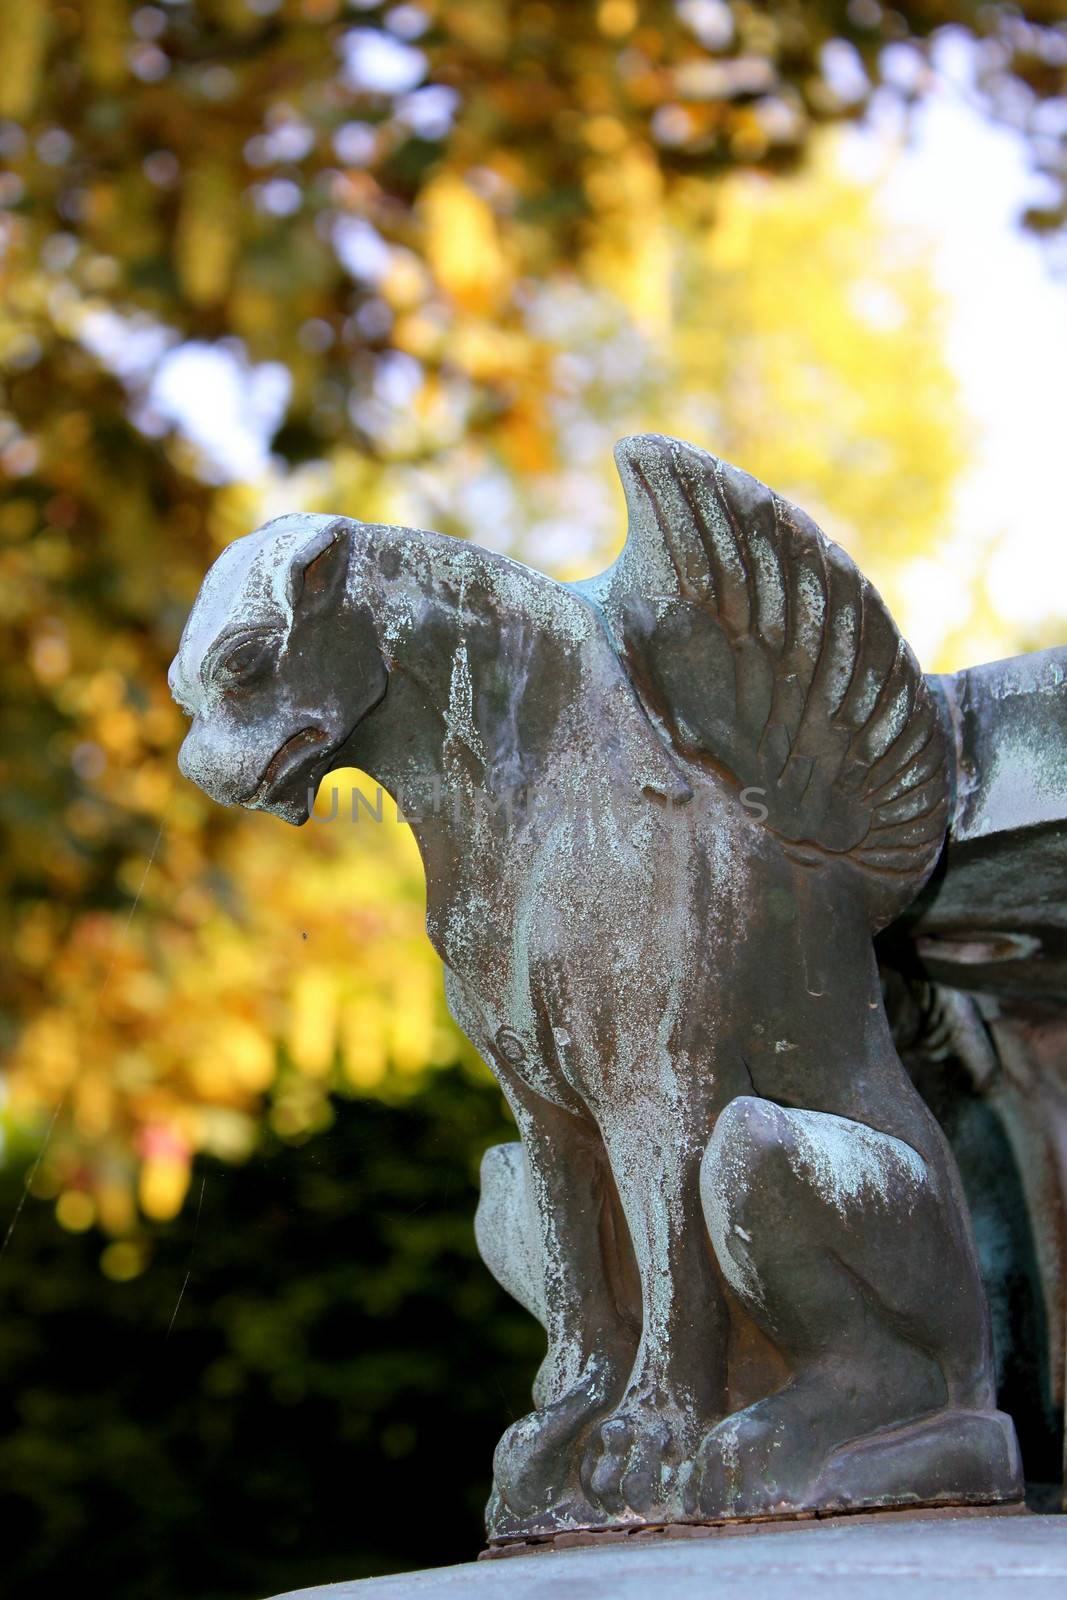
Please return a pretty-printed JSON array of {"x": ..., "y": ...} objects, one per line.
[
  {"x": 187, "y": 756},
  {"x": 195, "y": 763},
  {"x": 183, "y": 757}
]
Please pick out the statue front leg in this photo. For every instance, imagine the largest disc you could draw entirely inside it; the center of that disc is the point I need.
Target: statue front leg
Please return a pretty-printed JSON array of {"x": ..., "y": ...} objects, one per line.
[
  {"x": 549, "y": 1230},
  {"x": 637, "y": 1459}
]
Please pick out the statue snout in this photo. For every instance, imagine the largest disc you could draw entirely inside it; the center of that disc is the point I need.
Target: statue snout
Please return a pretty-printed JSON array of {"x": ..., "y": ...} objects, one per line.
[{"x": 211, "y": 767}]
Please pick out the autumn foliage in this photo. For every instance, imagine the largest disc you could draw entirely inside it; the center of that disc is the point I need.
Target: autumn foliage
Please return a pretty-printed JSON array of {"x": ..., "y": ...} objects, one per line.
[{"x": 447, "y": 251}]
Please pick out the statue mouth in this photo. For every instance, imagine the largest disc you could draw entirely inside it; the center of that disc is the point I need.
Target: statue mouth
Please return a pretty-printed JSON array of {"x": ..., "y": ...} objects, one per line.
[{"x": 305, "y": 748}]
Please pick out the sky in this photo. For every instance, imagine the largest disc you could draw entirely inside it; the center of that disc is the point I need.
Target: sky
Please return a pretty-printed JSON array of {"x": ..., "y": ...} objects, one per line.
[{"x": 963, "y": 182}]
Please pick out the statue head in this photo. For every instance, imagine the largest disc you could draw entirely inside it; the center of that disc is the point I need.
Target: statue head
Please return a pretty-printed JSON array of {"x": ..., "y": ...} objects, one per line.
[{"x": 278, "y": 663}]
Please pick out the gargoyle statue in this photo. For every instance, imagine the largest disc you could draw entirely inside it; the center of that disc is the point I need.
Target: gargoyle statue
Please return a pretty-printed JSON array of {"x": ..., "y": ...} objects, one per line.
[{"x": 662, "y": 813}]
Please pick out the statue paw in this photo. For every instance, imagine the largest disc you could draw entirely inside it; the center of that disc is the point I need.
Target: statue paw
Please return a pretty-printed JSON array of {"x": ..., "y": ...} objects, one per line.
[
  {"x": 745, "y": 1467},
  {"x": 535, "y": 1487},
  {"x": 633, "y": 1462},
  {"x": 770, "y": 1460}
]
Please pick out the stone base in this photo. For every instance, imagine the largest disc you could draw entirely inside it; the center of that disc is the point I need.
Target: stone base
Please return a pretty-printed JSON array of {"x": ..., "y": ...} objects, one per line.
[
  {"x": 583, "y": 1538},
  {"x": 968, "y": 1554}
]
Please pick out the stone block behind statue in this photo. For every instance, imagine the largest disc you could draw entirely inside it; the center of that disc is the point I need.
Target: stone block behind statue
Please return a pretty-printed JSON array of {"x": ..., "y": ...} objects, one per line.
[{"x": 662, "y": 814}]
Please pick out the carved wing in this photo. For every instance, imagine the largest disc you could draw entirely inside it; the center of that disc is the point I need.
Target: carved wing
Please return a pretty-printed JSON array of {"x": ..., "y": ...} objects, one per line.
[{"x": 762, "y": 651}]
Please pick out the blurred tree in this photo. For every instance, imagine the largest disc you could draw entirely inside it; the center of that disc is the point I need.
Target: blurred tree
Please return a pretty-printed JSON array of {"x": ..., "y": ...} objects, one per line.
[
  {"x": 317, "y": 1339},
  {"x": 486, "y": 236},
  {"x": 436, "y": 257},
  {"x": 175, "y": 974}
]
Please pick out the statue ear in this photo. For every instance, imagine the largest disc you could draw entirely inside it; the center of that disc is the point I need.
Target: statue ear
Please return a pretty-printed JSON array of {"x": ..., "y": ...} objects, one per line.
[{"x": 319, "y": 569}]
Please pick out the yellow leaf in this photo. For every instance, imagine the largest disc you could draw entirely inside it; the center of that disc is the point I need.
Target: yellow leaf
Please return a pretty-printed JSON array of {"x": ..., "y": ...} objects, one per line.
[
  {"x": 106, "y": 34},
  {"x": 75, "y": 1211},
  {"x": 206, "y": 238},
  {"x": 616, "y": 17},
  {"x": 363, "y": 1039},
  {"x": 412, "y": 1022},
  {"x": 462, "y": 244},
  {"x": 114, "y": 1205},
  {"x": 94, "y": 1104},
  {"x": 161, "y": 1187},
  {"x": 247, "y": 1054},
  {"x": 123, "y": 1260},
  {"x": 24, "y": 29},
  {"x": 313, "y": 1021},
  {"x": 406, "y": 283}
]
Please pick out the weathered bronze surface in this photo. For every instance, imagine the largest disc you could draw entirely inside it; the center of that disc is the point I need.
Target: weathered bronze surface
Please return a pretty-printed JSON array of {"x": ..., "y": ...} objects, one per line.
[
  {"x": 977, "y": 974},
  {"x": 663, "y": 814}
]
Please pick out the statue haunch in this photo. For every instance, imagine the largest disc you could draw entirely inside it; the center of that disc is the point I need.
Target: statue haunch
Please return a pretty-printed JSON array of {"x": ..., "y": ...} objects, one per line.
[{"x": 663, "y": 813}]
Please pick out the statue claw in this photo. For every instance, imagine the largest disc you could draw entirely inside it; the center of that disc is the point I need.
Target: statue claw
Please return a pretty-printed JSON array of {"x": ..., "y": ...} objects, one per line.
[
  {"x": 632, "y": 1463},
  {"x": 534, "y": 1488}
]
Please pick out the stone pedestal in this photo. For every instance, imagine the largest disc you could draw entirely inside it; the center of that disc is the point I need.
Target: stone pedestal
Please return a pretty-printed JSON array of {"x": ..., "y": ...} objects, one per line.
[{"x": 885, "y": 1557}]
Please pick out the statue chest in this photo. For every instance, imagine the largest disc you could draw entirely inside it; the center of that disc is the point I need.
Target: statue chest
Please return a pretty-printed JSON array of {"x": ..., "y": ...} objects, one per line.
[{"x": 578, "y": 948}]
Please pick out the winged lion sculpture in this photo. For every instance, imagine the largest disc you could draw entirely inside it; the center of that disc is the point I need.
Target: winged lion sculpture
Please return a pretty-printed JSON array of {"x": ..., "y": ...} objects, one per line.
[{"x": 679, "y": 801}]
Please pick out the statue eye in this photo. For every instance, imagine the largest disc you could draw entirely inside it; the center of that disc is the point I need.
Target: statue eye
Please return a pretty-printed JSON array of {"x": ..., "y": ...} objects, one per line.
[{"x": 248, "y": 658}]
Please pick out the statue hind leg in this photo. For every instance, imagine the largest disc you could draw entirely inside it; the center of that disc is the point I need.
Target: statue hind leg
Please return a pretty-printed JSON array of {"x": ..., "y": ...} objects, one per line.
[{"x": 852, "y": 1252}]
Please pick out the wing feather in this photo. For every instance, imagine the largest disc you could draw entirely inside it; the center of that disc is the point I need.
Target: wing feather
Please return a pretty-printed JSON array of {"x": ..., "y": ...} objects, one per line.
[{"x": 765, "y": 654}]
